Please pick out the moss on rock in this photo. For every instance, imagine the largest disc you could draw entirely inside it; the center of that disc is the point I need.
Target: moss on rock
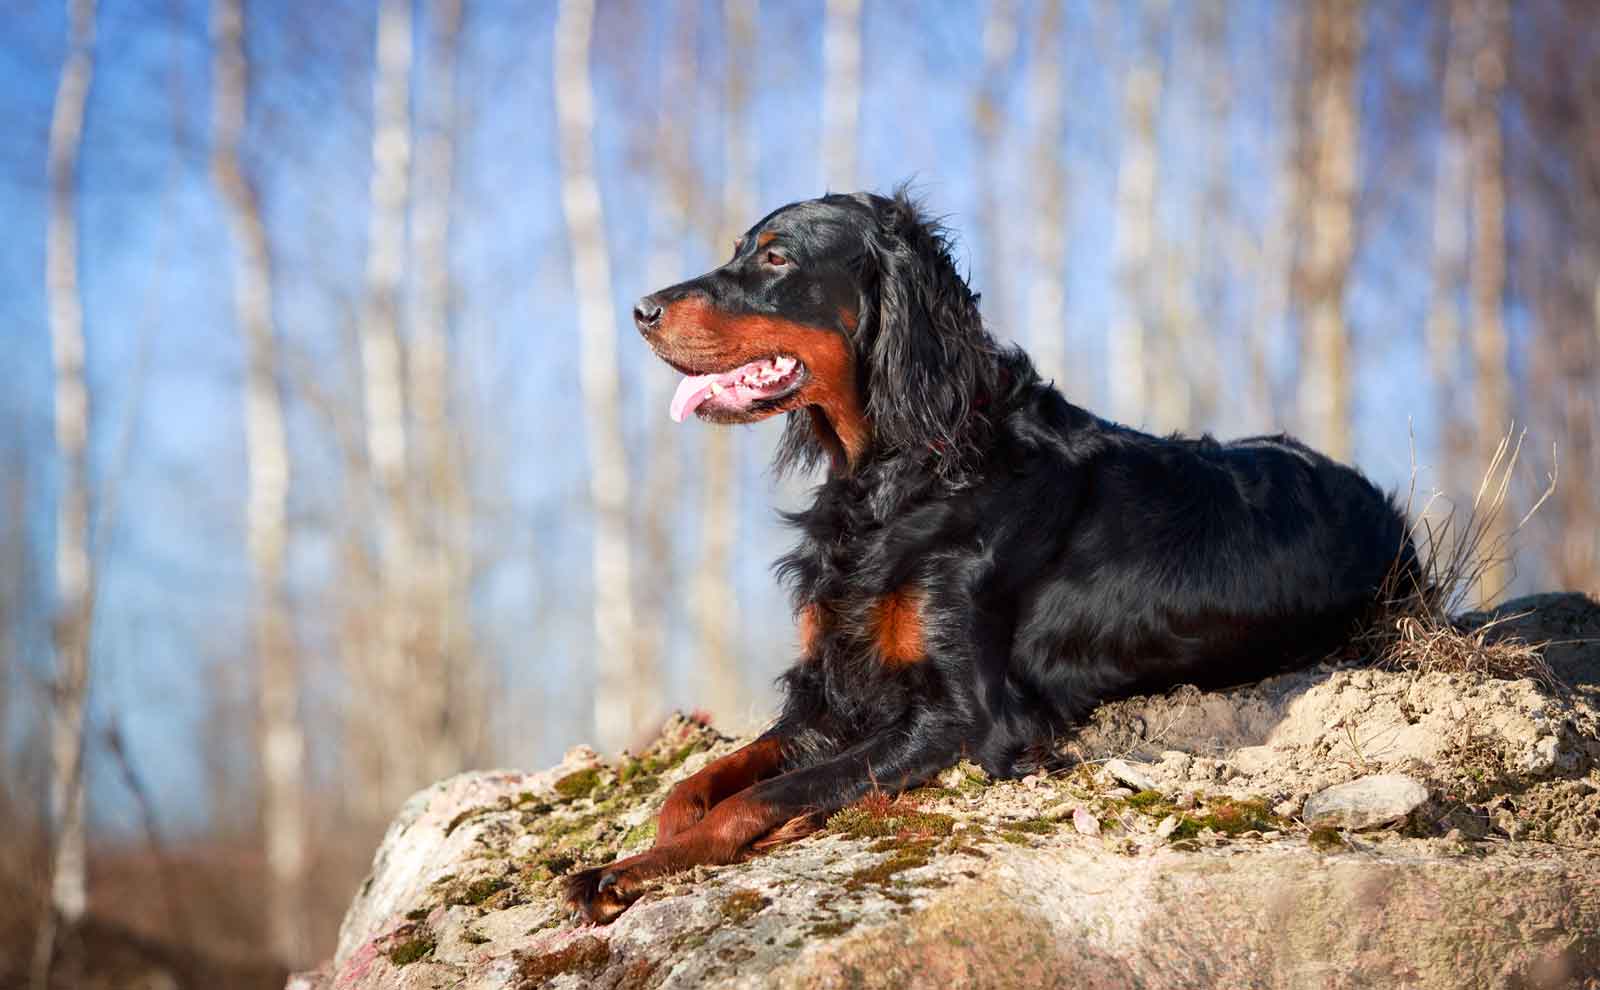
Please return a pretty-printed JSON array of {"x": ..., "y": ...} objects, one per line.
[
  {"x": 411, "y": 944},
  {"x": 900, "y": 818},
  {"x": 579, "y": 784},
  {"x": 907, "y": 857},
  {"x": 586, "y": 956},
  {"x": 741, "y": 905}
]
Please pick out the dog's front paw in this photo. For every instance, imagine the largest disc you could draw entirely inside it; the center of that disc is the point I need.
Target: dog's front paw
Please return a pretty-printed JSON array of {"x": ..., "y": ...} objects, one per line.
[{"x": 599, "y": 895}]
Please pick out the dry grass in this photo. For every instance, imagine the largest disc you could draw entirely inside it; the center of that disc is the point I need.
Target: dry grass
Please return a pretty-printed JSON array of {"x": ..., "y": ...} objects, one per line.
[
  {"x": 1422, "y": 645},
  {"x": 1466, "y": 558}
]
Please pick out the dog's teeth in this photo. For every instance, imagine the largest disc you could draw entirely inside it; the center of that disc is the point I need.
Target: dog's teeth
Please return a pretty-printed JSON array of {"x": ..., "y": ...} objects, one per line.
[{"x": 716, "y": 388}]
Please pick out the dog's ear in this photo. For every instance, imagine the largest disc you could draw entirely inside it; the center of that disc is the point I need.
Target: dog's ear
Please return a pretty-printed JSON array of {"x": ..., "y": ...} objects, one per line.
[{"x": 927, "y": 358}]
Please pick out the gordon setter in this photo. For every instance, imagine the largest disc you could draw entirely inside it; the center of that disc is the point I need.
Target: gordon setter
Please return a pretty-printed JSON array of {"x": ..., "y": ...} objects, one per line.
[{"x": 985, "y": 562}]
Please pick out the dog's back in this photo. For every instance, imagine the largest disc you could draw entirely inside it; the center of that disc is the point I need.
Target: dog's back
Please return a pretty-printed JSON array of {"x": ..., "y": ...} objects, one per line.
[{"x": 1169, "y": 560}]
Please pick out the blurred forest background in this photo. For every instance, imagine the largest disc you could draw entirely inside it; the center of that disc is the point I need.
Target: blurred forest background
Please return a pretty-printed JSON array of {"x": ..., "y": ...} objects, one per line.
[{"x": 330, "y": 463}]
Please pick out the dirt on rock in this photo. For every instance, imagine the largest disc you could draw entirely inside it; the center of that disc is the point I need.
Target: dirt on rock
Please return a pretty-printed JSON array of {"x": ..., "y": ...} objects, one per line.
[{"x": 1515, "y": 758}]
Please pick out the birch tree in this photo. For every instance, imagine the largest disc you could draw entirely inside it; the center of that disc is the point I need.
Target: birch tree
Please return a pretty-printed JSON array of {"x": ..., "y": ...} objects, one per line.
[
  {"x": 1336, "y": 39},
  {"x": 74, "y": 573},
  {"x": 388, "y": 663},
  {"x": 451, "y": 684},
  {"x": 714, "y": 597},
  {"x": 999, "y": 47},
  {"x": 674, "y": 199},
  {"x": 608, "y": 464},
  {"x": 1201, "y": 302},
  {"x": 1127, "y": 351},
  {"x": 841, "y": 93},
  {"x": 1557, "y": 204},
  {"x": 1490, "y": 352},
  {"x": 1443, "y": 332},
  {"x": 1276, "y": 258},
  {"x": 1047, "y": 289},
  {"x": 281, "y": 734}
]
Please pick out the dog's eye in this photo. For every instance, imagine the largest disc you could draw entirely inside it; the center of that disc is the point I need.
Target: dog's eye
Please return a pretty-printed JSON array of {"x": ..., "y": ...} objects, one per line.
[{"x": 776, "y": 260}]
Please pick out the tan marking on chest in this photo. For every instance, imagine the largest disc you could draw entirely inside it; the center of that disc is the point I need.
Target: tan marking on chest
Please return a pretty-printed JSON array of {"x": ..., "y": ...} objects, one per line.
[
  {"x": 812, "y": 622},
  {"x": 896, "y": 625}
]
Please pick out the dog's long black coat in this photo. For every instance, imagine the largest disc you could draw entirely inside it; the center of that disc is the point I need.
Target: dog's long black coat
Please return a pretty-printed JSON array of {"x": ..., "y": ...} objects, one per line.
[
  {"x": 1086, "y": 561},
  {"x": 985, "y": 562}
]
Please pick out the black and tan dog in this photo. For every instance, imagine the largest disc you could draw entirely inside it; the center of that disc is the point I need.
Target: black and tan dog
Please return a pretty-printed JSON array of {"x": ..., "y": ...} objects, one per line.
[{"x": 985, "y": 562}]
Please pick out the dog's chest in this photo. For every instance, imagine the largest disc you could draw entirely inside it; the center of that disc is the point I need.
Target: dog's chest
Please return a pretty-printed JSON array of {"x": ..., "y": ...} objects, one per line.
[{"x": 860, "y": 603}]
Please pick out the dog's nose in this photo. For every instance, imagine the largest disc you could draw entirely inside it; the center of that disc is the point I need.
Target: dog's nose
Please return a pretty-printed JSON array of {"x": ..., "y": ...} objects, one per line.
[{"x": 647, "y": 315}]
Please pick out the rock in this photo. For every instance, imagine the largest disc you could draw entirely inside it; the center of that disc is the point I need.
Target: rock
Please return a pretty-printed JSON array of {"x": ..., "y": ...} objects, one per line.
[
  {"x": 1547, "y": 756},
  {"x": 1133, "y": 776},
  {"x": 998, "y": 890},
  {"x": 1203, "y": 768},
  {"x": 474, "y": 907},
  {"x": 1059, "y": 812},
  {"x": 1369, "y": 802}
]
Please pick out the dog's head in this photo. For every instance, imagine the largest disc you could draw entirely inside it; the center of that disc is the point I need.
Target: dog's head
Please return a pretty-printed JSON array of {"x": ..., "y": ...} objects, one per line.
[{"x": 846, "y": 311}]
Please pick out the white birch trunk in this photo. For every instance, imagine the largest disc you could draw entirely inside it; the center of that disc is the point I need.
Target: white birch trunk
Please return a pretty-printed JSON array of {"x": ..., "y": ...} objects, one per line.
[
  {"x": 1199, "y": 307},
  {"x": 74, "y": 575},
  {"x": 1443, "y": 333},
  {"x": 608, "y": 469},
  {"x": 1276, "y": 257},
  {"x": 281, "y": 735},
  {"x": 1325, "y": 364},
  {"x": 450, "y": 686},
  {"x": 841, "y": 93},
  {"x": 999, "y": 47},
  {"x": 714, "y": 597},
  {"x": 1128, "y": 353},
  {"x": 674, "y": 199},
  {"x": 1046, "y": 323},
  {"x": 389, "y": 663},
  {"x": 1490, "y": 350}
]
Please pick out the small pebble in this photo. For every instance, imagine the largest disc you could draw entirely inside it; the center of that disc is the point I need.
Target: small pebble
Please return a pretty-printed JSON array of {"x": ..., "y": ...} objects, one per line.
[
  {"x": 1168, "y": 825},
  {"x": 1085, "y": 822},
  {"x": 1058, "y": 812},
  {"x": 1186, "y": 800},
  {"x": 1130, "y": 774}
]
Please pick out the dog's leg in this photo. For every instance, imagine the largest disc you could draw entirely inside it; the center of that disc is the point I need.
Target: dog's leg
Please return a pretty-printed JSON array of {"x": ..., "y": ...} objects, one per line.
[
  {"x": 901, "y": 757},
  {"x": 691, "y": 799}
]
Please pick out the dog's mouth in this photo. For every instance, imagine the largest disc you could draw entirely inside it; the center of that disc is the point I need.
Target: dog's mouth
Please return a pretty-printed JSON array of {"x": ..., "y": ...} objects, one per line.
[{"x": 748, "y": 390}]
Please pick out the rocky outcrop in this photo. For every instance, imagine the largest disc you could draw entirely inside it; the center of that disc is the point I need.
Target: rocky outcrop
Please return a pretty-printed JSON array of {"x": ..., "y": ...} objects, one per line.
[{"x": 1176, "y": 853}]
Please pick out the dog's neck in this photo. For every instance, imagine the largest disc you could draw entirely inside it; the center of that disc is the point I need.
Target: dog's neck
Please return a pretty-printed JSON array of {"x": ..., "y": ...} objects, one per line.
[{"x": 841, "y": 430}]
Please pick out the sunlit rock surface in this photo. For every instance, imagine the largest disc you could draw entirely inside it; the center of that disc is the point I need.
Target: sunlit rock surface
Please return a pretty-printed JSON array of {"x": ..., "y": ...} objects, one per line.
[{"x": 1203, "y": 876}]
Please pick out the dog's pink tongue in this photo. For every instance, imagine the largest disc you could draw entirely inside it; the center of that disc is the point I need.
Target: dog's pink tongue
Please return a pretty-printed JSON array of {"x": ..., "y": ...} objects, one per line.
[{"x": 693, "y": 390}]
